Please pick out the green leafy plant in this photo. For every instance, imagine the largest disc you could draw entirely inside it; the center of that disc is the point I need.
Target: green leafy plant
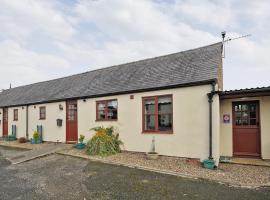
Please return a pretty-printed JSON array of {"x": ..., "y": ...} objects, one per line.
[
  {"x": 104, "y": 142},
  {"x": 35, "y": 136},
  {"x": 81, "y": 138}
]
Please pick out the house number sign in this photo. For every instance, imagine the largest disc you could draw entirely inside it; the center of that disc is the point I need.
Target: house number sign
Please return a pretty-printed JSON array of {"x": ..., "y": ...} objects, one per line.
[{"x": 226, "y": 118}]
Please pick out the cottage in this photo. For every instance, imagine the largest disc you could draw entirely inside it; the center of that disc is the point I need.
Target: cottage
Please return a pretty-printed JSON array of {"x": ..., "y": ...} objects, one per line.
[{"x": 177, "y": 98}]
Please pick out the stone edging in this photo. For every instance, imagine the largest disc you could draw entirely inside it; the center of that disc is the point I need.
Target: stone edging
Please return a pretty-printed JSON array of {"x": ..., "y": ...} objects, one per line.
[{"x": 15, "y": 147}]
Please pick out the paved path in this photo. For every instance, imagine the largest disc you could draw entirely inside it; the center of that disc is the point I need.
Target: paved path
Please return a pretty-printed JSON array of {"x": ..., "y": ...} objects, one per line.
[{"x": 24, "y": 156}]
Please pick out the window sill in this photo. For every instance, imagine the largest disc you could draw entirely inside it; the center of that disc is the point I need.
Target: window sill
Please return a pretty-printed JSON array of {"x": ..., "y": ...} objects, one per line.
[
  {"x": 158, "y": 132},
  {"x": 42, "y": 119}
]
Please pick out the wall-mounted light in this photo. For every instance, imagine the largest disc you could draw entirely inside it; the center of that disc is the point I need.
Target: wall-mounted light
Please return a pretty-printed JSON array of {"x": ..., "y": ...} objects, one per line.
[
  {"x": 22, "y": 107},
  {"x": 131, "y": 96},
  {"x": 61, "y": 107},
  {"x": 84, "y": 100},
  {"x": 34, "y": 106}
]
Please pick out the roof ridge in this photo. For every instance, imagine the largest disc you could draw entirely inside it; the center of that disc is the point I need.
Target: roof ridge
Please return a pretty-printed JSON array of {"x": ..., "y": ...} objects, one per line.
[{"x": 117, "y": 65}]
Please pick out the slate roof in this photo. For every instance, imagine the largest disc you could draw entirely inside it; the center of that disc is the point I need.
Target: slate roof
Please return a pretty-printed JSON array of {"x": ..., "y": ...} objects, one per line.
[{"x": 194, "y": 66}]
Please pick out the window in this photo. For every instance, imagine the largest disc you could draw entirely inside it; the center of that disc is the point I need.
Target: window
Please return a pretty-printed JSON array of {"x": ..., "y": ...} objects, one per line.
[
  {"x": 72, "y": 111},
  {"x": 157, "y": 114},
  {"x": 245, "y": 113},
  {"x": 42, "y": 112},
  {"x": 15, "y": 115},
  {"x": 107, "y": 110}
]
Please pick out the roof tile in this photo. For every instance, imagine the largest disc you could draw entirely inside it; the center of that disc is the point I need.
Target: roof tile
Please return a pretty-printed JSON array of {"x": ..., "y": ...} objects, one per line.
[{"x": 196, "y": 65}]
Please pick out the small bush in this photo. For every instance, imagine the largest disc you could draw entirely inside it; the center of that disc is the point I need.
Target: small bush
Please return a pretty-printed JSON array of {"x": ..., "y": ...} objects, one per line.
[
  {"x": 35, "y": 136},
  {"x": 105, "y": 142},
  {"x": 22, "y": 140},
  {"x": 81, "y": 138}
]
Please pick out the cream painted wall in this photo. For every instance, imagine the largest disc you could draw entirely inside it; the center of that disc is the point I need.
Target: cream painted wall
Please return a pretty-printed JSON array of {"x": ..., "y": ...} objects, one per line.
[
  {"x": 1, "y": 122},
  {"x": 20, "y": 124},
  {"x": 51, "y": 132},
  {"x": 216, "y": 128},
  {"x": 226, "y": 140},
  {"x": 190, "y": 136}
]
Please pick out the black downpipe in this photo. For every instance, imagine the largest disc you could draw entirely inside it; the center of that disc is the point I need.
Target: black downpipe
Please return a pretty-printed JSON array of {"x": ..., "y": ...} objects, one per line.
[
  {"x": 27, "y": 133},
  {"x": 210, "y": 101}
]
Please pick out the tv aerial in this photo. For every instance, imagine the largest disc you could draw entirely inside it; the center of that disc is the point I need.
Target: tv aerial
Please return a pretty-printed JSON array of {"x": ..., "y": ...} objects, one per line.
[{"x": 223, "y": 35}]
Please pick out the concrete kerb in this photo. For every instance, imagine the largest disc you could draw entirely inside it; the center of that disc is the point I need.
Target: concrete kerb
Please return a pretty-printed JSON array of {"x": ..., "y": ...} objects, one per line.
[{"x": 15, "y": 147}]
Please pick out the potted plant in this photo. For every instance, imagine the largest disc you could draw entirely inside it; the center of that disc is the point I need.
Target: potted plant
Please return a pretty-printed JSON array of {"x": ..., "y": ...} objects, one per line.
[
  {"x": 36, "y": 138},
  {"x": 80, "y": 145},
  {"x": 209, "y": 163},
  {"x": 152, "y": 154}
]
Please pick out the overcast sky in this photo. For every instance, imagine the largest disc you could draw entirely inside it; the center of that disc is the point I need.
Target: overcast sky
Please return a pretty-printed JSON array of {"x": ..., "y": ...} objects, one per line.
[{"x": 47, "y": 39}]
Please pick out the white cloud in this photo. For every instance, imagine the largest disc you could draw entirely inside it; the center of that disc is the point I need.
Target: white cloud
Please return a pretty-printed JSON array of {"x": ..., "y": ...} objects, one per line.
[
  {"x": 48, "y": 39},
  {"x": 28, "y": 17},
  {"x": 20, "y": 66}
]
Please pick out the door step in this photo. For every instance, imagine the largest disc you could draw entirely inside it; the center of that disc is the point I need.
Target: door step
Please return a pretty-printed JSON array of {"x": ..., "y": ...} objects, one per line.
[{"x": 250, "y": 161}]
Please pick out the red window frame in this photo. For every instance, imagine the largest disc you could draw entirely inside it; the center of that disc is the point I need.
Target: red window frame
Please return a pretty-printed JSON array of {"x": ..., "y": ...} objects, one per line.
[
  {"x": 155, "y": 114},
  {"x": 15, "y": 115},
  {"x": 105, "y": 110},
  {"x": 42, "y": 112}
]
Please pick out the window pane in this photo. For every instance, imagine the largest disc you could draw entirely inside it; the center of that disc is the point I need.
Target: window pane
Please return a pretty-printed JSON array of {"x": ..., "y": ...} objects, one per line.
[
  {"x": 238, "y": 121},
  {"x": 252, "y": 107},
  {"x": 149, "y": 122},
  {"x": 244, "y": 107},
  {"x": 237, "y": 108},
  {"x": 112, "y": 114},
  {"x": 112, "y": 104},
  {"x": 164, "y": 105},
  {"x": 101, "y": 114},
  {"x": 101, "y": 110},
  {"x": 165, "y": 122},
  {"x": 245, "y": 121},
  {"x": 101, "y": 106},
  {"x": 42, "y": 112},
  {"x": 238, "y": 114},
  {"x": 149, "y": 106},
  {"x": 112, "y": 109},
  {"x": 71, "y": 115},
  {"x": 252, "y": 121},
  {"x": 5, "y": 114},
  {"x": 252, "y": 114},
  {"x": 15, "y": 117}
]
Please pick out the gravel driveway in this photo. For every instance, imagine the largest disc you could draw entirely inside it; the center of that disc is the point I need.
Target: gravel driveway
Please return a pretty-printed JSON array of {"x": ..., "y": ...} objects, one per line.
[{"x": 64, "y": 177}]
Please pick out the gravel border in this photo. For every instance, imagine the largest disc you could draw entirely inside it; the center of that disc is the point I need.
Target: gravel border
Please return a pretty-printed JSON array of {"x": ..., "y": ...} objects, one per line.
[{"x": 235, "y": 175}]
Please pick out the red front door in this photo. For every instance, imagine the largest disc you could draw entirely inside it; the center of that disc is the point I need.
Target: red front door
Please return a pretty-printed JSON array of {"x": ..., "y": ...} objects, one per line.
[
  {"x": 246, "y": 129},
  {"x": 72, "y": 123},
  {"x": 5, "y": 121}
]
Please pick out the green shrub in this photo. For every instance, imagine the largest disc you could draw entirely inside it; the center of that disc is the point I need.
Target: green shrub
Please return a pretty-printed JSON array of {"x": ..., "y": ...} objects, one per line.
[
  {"x": 81, "y": 138},
  {"x": 104, "y": 142},
  {"x": 35, "y": 136}
]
